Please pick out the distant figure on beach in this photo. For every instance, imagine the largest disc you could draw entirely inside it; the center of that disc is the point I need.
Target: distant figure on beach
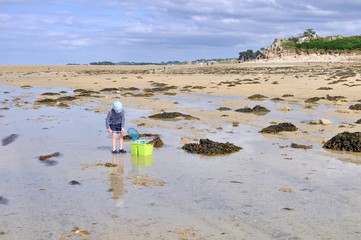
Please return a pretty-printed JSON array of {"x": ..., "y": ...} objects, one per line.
[{"x": 114, "y": 123}]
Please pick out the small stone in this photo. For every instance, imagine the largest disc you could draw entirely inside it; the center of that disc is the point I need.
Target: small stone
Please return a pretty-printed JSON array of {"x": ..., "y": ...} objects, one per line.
[{"x": 323, "y": 121}]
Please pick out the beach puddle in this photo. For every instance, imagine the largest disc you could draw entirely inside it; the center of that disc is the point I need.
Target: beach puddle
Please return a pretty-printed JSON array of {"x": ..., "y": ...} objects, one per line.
[{"x": 175, "y": 192}]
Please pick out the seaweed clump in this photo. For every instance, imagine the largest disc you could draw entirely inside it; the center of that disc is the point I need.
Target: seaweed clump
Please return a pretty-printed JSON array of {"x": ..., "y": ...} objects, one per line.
[
  {"x": 281, "y": 127},
  {"x": 9, "y": 139},
  {"x": 209, "y": 147},
  {"x": 48, "y": 101},
  {"x": 66, "y": 98},
  {"x": 257, "y": 97},
  {"x": 355, "y": 107},
  {"x": 156, "y": 142},
  {"x": 300, "y": 146},
  {"x": 171, "y": 115},
  {"x": 345, "y": 141},
  {"x": 255, "y": 109},
  {"x": 336, "y": 98},
  {"x": 45, "y": 157},
  {"x": 313, "y": 99}
]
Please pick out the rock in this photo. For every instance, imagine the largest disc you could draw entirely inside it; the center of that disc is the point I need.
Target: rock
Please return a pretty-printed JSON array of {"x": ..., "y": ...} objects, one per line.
[
  {"x": 345, "y": 141},
  {"x": 284, "y": 108},
  {"x": 323, "y": 121},
  {"x": 358, "y": 121},
  {"x": 209, "y": 147},
  {"x": 281, "y": 127}
]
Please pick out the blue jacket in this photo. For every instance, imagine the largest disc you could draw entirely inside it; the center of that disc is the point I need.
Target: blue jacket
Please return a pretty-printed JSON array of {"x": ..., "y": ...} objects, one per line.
[{"x": 115, "y": 118}]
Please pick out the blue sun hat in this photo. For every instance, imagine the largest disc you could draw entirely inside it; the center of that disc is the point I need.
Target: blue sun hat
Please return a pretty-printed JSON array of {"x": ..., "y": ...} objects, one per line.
[{"x": 117, "y": 106}]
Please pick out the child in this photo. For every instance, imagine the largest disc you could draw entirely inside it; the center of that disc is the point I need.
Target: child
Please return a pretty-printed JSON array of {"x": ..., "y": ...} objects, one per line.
[{"x": 115, "y": 125}]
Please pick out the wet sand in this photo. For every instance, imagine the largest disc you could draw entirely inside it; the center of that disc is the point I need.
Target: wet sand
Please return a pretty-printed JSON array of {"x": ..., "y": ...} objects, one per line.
[{"x": 267, "y": 190}]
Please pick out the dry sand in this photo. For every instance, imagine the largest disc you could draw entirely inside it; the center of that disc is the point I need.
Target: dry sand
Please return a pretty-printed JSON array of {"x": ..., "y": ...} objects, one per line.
[{"x": 237, "y": 196}]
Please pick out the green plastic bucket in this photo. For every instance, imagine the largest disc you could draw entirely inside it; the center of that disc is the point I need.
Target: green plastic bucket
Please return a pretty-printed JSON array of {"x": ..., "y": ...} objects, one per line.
[{"x": 141, "y": 149}]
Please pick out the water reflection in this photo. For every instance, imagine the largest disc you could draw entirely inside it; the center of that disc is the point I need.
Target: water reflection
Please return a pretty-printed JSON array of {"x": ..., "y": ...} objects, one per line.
[
  {"x": 116, "y": 180},
  {"x": 139, "y": 163}
]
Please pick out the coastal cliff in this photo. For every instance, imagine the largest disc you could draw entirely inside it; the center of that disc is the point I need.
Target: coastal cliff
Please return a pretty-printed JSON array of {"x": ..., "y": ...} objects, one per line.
[{"x": 310, "y": 43}]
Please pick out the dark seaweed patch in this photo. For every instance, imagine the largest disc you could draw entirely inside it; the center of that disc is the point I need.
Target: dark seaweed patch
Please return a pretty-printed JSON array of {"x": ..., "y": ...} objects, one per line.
[
  {"x": 209, "y": 147},
  {"x": 3, "y": 201},
  {"x": 324, "y": 88},
  {"x": 223, "y": 109},
  {"x": 281, "y": 127},
  {"x": 255, "y": 109},
  {"x": 50, "y": 94},
  {"x": 66, "y": 98},
  {"x": 257, "y": 97},
  {"x": 9, "y": 139},
  {"x": 335, "y": 98},
  {"x": 74, "y": 182},
  {"x": 109, "y": 89},
  {"x": 48, "y": 101},
  {"x": 355, "y": 106},
  {"x": 171, "y": 115},
  {"x": 156, "y": 142},
  {"x": 277, "y": 99},
  {"x": 345, "y": 141},
  {"x": 313, "y": 99},
  {"x": 300, "y": 146},
  {"x": 45, "y": 157}
]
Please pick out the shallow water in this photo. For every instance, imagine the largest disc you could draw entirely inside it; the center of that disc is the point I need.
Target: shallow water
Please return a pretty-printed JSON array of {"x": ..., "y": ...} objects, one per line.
[
  {"x": 234, "y": 196},
  {"x": 297, "y": 113}
]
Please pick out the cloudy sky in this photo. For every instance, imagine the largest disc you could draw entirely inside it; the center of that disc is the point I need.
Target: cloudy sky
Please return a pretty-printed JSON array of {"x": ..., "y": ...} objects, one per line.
[{"x": 83, "y": 31}]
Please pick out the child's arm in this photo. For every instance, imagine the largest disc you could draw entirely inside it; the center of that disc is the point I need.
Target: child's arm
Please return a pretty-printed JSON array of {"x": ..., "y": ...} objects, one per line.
[
  {"x": 123, "y": 122},
  {"x": 107, "y": 119}
]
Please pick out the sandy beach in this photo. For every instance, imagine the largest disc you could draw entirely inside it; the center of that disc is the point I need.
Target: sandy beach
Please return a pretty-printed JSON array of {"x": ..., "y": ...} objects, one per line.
[{"x": 267, "y": 190}]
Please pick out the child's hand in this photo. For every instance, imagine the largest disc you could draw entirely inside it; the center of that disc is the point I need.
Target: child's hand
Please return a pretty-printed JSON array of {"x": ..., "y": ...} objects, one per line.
[
  {"x": 109, "y": 130},
  {"x": 122, "y": 131}
]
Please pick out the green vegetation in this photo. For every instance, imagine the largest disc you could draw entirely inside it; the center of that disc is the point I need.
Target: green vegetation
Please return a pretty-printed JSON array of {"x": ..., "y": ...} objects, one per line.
[
  {"x": 102, "y": 63},
  {"x": 334, "y": 43},
  {"x": 328, "y": 44},
  {"x": 248, "y": 55},
  {"x": 289, "y": 45}
]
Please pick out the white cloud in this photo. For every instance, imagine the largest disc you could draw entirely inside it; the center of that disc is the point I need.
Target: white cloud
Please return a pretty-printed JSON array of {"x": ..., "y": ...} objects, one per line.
[
  {"x": 168, "y": 24},
  {"x": 81, "y": 42}
]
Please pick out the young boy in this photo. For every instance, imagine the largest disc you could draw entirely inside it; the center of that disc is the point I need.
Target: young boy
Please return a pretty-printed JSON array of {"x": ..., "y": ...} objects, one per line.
[{"x": 114, "y": 123}]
